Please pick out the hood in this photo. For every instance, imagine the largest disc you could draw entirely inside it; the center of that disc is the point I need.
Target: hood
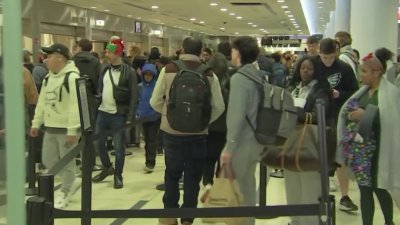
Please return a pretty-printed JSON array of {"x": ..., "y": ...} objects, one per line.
[
  {"x": 253, "y": 71},
  {"x": 349, "y": 52},
  {"x": 70, "y": 66},
  {"x": 83, "y": 57},
  {"x": 149, "y": 68}
]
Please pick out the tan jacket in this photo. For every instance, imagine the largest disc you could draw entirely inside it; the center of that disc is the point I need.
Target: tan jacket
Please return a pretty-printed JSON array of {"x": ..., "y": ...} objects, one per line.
[
  {"x": 30, "y": 91},
  {"x": 160, "y": 95}
]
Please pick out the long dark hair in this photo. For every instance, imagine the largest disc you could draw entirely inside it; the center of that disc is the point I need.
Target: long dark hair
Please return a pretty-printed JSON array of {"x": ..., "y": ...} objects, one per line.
[
  {"x": 384, "y": 55},
  {"x": 317, "y": 74}
]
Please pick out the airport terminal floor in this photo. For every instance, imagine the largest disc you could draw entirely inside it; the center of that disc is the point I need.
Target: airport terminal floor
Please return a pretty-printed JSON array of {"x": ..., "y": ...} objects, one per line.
[{"x": 139, "y": 193}]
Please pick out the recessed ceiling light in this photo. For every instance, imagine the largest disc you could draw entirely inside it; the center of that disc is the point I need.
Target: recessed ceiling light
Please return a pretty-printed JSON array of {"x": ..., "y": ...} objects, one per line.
[
  {"x": 299, "y": 30},
  {"x": 320, "y": 7},
  {"x": 106, "y": 10},
  {"x": 262, "y": 29},
  {"x": 213, "y": 4},
  {"x": 292, "y": 19},
  {"x": 290, "y": 15},
  {"x": 254, "y": 25},
  {"x": 192, "y": 19},
  {"x": 288, "y": 11},
  {"x": 154, "y": 7},
  {"x": 139, "y": 18},
  {"x": 222, "y": 28},
  {"x": 250, "y": 23},
  {"x": 297, "y": 27},
  {"x": 129, "y": 15},
  {"x": 93, "y": 7},
  {"x": 232, "y": 14},
  {"x": 236, "y": 33},
  {"x": 224, "y": 9},
  {"x": 320, "y": 2},
  {"x": 284, "y": 7},
  {"x": 202, "y": 22},
  {"x": 239, "y": 17},
  {"x": 280, "y": 1}
]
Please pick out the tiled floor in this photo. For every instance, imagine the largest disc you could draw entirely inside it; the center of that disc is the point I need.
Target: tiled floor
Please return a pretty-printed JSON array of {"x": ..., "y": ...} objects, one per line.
[{"x": 141, "y": 187}]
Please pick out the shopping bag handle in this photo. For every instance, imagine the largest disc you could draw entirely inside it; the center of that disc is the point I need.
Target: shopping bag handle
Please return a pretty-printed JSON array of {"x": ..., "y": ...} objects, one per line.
[{"x": 227, "y": 171}]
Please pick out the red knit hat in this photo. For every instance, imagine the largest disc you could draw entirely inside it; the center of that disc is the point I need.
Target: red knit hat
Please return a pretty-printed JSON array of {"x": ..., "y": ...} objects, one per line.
[{"x": 116, "y": 46}]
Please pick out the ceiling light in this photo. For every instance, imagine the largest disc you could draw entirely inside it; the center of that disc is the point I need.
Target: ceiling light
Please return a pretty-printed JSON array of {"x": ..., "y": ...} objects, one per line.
[
  {"x": 93, "y": 7},
  {"x": 202, "y": 22},
  {"x": 254, "y": 25},
  {"x": 284, "y": 7},
  {"x": 222, "y": 28},
  {"x": 292, "y": 19},
  {"x": 288, "y": 11},
  {"x": 236, "y": 33},
  {"x": 129, "y": 15},
  {"x": 162, "y": 23},
  {"x": 232, "y": 14},
  {"x": 280, "y": 1},
  {"x": 224, "y": 9},
  {"x": 106, "y": 10},
  {"x": 262, "y": 29},
  {"x": 139, "y": 18},
  {"x": 250, "y": 23},
  {"x": 299, "y": 30},
  {"x": 320, "y": 7},
  {"x": 192, "y": 19},
  {"x": 320, "y": 2},
  {"x": 239, "y": 17},
  {"x": 213, "y": 4},
  {"x": 290, "y": 15},
  {"x": 296, "y": 27},
  {"x": 154, "y": 7}
]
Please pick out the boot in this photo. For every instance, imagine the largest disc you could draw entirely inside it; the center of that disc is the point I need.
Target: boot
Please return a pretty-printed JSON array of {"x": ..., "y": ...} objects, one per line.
[
  {"x": 118, "y": 181},
  {"x": 105, "y": 172}
]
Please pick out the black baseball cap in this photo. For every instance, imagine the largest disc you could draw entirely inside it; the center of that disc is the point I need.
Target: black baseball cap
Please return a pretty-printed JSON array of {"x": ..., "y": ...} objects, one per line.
[{"x": 59, "y": 48}]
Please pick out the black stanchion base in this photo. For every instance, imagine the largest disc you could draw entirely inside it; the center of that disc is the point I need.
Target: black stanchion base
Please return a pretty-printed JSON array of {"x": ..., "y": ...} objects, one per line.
[
  {"x": 31, "y": 191},
  {"x": 126, "y": 153}
]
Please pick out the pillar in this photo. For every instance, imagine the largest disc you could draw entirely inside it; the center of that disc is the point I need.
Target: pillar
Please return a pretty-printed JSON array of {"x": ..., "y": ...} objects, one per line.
[
  {"x": 35, "y": 29},
  {"x": 374, "y": 26},
  {"x": 342, "y": 15}
]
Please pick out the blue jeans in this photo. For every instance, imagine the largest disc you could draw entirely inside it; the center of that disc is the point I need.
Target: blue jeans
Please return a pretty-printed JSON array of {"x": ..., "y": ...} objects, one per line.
[
  {"x": 183, "y": 155},
  {"x": 106, "y": 121}
]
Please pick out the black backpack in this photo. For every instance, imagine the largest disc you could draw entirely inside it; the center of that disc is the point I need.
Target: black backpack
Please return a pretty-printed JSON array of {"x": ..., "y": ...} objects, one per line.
[{"x": 189, "y": 104}]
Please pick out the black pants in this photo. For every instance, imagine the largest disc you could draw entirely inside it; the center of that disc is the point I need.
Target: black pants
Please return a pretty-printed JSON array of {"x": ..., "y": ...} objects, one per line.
[
  {"x": 215, "y": 144},
  {"x": 150, "y": 133},
  {"x": 368, "y": 204}
]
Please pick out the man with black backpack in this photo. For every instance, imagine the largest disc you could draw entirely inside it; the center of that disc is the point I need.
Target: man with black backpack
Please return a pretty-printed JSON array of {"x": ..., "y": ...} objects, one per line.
[{"x": 188, "y": 96}]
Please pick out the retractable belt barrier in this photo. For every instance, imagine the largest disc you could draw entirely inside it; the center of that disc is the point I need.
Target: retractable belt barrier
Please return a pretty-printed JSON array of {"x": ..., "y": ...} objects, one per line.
[{"x": 41, "y": 210}]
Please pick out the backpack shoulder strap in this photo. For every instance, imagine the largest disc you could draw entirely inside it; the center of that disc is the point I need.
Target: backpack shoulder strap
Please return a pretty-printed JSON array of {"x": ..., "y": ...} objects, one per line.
[
  {"x": 66, "y": 80},
  {"x": 202, "y": 69},
  {"x": 179, "y": 64}
]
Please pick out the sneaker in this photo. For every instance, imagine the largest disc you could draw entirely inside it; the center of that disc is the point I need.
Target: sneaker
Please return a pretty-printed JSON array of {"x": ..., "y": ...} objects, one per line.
[
  {"x": 61, "y": 201},
  {"x": 347, "y": 205},
  {"x": 167, "y": 221},
  {"x": 161, "y": 187},
  {"x": 332, "y": 185},
  {"x": 277, "y": 174},
  {"x": 148, "y": 169}
]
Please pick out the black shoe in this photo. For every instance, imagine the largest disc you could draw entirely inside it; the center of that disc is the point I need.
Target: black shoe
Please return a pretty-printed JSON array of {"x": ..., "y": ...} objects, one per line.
[
  {"x": 148, "y": 168},
  {"x": 347, "y": 205},
  {"x": 103, "y": 174},
  {"x": 118, "y": 181}
]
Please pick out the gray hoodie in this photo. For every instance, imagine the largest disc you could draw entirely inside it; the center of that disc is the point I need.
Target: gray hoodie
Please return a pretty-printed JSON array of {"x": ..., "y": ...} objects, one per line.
[{"x": 243, "y": 101}]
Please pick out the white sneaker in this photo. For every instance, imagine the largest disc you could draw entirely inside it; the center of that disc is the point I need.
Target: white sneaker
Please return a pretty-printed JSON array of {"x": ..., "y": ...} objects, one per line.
[
  {"x": 332, "y": 185},
  {"x": 61, "y": 201}
]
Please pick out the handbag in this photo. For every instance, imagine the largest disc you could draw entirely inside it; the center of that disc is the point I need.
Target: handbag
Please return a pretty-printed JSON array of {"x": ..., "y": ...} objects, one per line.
[
  {"x": 225, "y": 192},
  {"x": 121, "y": 94},
  {"x": 301, "y": 150}
]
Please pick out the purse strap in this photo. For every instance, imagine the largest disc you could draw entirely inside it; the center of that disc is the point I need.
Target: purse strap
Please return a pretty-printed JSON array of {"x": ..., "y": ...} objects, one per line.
[
  {"x": 111, "y": 77},
  {"x": 300, "y": 143}
]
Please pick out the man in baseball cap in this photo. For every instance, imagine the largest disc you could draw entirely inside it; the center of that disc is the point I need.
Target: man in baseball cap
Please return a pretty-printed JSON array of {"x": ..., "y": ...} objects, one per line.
[{"x": 57, "y": 48}]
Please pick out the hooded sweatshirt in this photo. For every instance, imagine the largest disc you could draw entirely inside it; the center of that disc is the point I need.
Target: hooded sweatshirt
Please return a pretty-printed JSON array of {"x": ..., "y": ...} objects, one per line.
[
  {"x": 348, "y": 56},
  {"x": 147, "y": 88},
  {"x": 55, "y": 111}
]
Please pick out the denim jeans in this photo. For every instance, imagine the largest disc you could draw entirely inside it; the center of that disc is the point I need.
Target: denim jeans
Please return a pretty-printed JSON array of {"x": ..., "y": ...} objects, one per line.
[
  {"x": 183, "y": 155},
  {"x": 106, "y": 121}
]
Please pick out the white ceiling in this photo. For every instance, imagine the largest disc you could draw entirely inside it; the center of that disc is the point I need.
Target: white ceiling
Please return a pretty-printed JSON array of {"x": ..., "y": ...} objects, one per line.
[{"x": 265, "y": 14}]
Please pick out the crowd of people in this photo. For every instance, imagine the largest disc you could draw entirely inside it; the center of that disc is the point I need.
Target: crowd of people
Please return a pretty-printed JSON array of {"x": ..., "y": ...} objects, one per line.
[{"x": 156, "y": 95}]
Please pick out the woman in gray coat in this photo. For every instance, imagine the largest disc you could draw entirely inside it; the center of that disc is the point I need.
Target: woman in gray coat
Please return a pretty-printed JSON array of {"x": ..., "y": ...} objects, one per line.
[{"x": 242, "y": 150}]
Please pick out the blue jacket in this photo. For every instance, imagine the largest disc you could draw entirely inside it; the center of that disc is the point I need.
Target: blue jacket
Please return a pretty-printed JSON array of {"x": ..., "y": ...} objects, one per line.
[{"x": 147, "y": 88}]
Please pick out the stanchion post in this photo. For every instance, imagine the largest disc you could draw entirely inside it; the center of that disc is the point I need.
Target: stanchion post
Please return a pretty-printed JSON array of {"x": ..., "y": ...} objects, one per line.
[
  {"x": 263, "y": 185},
  {"x": 86, "y": 199},
  {"x": 46, "y": 191},
  {"x": 31, "y": 190}
]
